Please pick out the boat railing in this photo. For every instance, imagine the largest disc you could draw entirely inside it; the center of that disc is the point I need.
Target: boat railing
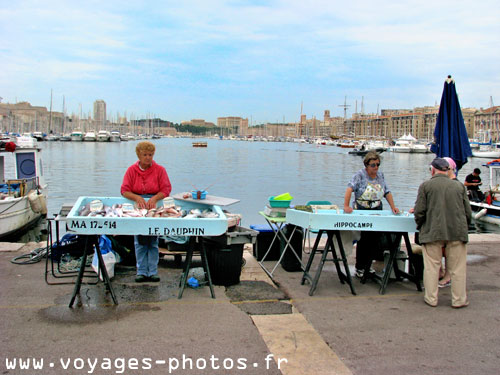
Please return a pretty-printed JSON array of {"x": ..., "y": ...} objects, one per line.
[{"x": 19, "y": 187}]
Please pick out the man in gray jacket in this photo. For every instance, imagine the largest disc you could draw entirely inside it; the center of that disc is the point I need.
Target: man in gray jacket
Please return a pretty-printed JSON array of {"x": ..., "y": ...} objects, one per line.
[{"x": 442, "y": 214}]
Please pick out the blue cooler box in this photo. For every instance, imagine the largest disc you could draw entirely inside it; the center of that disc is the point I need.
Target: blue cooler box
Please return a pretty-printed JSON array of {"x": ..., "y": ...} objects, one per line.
[{"x": 264, "y": 239}]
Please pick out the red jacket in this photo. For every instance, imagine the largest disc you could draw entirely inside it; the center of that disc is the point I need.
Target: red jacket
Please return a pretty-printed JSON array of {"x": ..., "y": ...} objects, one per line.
[{"x": 151, "y": 181}]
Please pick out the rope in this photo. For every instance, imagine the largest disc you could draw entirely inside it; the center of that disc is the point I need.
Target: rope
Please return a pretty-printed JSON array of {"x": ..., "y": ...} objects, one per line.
[{"x": 34, "y": 256}]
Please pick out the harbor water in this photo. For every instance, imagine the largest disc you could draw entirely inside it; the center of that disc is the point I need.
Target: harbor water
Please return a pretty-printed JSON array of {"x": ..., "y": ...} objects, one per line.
[{"x": 248, "y": 171}]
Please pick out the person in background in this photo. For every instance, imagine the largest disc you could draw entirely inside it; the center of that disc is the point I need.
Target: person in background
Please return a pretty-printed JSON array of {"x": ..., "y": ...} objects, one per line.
[
  {"x": 369, "y": 187},
  {"x": 472, "y": 182},
  {"x": 442, "y": 214},
  {"x": 444, "y": 274},
  {"x": 146, "y": 179}
]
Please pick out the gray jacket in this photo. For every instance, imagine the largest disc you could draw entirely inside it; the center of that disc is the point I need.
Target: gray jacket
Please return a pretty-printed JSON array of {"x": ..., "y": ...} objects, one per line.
[{"x": 442, "y": 210}]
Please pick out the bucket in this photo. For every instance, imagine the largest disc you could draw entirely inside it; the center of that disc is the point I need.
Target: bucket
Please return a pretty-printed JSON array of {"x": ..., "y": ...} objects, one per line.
[{"x": 38, "y": 202}]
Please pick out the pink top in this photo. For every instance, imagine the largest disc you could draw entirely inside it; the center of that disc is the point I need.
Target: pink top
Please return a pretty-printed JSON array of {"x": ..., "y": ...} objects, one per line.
[{"x": 151, "y": 181}]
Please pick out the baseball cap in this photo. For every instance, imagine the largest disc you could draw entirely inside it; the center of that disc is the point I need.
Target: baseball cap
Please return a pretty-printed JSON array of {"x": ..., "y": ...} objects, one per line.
[{"x": 440, "y": 164}]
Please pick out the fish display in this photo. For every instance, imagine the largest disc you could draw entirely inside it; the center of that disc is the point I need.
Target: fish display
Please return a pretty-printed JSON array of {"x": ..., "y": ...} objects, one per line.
[{"x": 97, "y": 209}]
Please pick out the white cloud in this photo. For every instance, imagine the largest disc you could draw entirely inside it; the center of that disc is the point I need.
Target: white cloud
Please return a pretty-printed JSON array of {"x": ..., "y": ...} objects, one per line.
[{"x": 393, "y": 53}]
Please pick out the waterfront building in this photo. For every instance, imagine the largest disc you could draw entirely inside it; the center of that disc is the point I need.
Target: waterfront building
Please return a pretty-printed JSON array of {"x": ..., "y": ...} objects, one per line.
[
  {"x": 488, "y": 121},
  {"x": 100, "y": 114},
  {"x": 198, "y": 122},
  {"x": 234, "y": 125},
  {"x": 22, "y": 118}
]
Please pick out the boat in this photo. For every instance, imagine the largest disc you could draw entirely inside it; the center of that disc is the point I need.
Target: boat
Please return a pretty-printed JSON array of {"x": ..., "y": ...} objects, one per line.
[
  {"x": 39, "y": 136},
  {"x": 200, "y": 144},
  {"x": 23, "y": 192},
  {"x": 403, "y": 144},
  {"x": 487, "y": 150},
  {"x": 65, "y": 138},
  {"x": 361, "y": 152},
  {"x": 53, "y": 137},
  {"x": 90, "y": 137},
  {"x": 103, "y": 136},
  {"x": 115, "y": 136},
  {"x": 489, "y": 210},
  {"x": 76, "y": 136}
]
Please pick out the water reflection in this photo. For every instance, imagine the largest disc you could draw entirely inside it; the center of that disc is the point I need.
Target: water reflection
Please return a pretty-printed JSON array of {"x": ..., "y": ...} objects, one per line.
[{"x": 249, "y": 171}]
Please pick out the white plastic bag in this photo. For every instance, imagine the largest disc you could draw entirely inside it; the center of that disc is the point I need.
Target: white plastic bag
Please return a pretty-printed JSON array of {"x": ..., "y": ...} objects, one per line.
[{"x": 109, "y": 261}]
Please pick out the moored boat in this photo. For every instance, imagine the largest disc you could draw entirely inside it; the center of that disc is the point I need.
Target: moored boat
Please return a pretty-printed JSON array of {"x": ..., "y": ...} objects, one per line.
[
  {"x": 489, "y": 150},
  {"x": 76, "y": 136},
  {"x": 103, "y": 136},
  {"x": 115, "y": 136},
  {"x": 23, "y": 198},
  {"x": 489, "y": 210},
  {"x": 90, "y": 137}
]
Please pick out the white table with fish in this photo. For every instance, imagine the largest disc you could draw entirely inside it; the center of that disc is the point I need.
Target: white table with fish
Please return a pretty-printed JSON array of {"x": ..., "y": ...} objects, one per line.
[
  {"x": 94, "y": 216},
  {"x": 332, "y": 221}
]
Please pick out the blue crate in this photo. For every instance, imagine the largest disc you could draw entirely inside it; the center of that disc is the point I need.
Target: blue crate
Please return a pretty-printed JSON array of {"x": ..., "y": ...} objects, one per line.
[
  {"x": 203, "y": 194},
  {"x": 279, "y": 203}
]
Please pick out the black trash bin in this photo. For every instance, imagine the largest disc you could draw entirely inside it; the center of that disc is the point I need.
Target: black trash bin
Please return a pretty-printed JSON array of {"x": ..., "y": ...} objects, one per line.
[
  {"x": 225, "y": 255},
  {"x": 264, "y": 238},
  {"x": 290, "y": 262}
]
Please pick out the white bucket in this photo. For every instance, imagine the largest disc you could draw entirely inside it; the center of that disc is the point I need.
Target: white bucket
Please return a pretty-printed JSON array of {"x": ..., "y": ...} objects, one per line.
[{"x": 38, "y": 202}]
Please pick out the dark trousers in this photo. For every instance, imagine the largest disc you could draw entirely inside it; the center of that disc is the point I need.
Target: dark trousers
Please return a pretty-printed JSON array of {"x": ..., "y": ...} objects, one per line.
[
  {"x": 368, "y": 247},
  {"x": 476, "y": 195}
]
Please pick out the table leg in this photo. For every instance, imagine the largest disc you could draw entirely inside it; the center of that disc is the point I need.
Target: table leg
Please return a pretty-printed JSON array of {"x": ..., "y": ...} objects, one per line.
[
  {"x": 101, "y": 269},
  {"x": 78, "y": 282},
  {"x": 320, "y": 268},
  {"x": 311, "y": 258},
  {"x": 187, "y": 266},
  {"x": 205, "y": 266},
  {"x": 346, "y": 275}
]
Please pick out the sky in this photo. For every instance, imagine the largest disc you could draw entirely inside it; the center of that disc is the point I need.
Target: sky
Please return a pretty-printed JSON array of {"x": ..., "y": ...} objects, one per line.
[{"x": 265, "y": 60}]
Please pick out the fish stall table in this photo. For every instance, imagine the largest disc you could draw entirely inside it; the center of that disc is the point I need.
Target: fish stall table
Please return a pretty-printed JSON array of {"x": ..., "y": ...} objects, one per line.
[
  {"x": 332, "y": 222},
  {"x": 94, "y": 226}
]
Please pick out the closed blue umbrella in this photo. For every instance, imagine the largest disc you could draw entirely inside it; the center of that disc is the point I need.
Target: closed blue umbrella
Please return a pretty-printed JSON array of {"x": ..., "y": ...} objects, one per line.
[{"x": 450, "y": 135}]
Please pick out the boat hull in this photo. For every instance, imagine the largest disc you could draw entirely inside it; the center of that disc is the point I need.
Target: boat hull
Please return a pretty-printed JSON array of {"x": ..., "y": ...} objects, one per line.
[
  {"x": 17, "y": 216},
  {"x": 486, "y": 154},
  {"x": 491, "y": 215}
]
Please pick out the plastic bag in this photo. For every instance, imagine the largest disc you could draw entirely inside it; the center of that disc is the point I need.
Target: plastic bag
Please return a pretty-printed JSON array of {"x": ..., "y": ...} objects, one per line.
[{"x": 108, "y": 255}]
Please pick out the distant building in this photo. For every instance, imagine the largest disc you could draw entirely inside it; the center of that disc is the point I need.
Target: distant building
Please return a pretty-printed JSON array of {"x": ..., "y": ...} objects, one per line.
[
  {"x": 198, "y": 122},
  {"x": 487, "y": 123},
  {"x": 100, "y": 114},
  {"x": 236, "y": 125},
  {"x": 22, "y": 117}
]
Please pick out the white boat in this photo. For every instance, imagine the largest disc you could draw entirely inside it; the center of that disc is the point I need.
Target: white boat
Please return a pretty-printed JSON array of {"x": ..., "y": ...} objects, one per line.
[
  {"x": 23, "y": 197},
  {"x": 115, "y": 136},
  {"x": 124, "y": 137},
  {"x": 53, "y": 137},
  {"x": 39, "y": 136},
  {"x": 90, "y": 137},
  {"x": 419, "y": 148},
  {"x": 491, "y": 151},
  {"x": 103, "y": 136},
  {"x": 76, "y": 136},
  {"x": 65, "y": 138},
  {"x": 403, "y": 144},
  {"x": 489, "y": 210}
]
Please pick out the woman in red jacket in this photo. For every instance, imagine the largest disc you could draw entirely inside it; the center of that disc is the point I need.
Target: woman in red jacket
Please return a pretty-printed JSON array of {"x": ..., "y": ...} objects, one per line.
[{"x": 146, "y": 179}]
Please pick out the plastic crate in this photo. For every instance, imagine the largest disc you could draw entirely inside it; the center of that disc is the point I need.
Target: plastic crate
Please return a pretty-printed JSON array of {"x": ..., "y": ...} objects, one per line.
[
  {"x": 279, "y": 203},
  {"x": 239, "y": 235}
]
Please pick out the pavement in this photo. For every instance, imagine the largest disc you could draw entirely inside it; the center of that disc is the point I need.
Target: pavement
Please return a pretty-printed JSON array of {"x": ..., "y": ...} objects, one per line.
[{"x": 259, "y": 326}]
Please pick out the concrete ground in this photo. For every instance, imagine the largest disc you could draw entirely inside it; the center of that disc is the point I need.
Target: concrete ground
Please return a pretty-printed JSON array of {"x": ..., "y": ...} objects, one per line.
[{"x": 259, "y": 326}]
